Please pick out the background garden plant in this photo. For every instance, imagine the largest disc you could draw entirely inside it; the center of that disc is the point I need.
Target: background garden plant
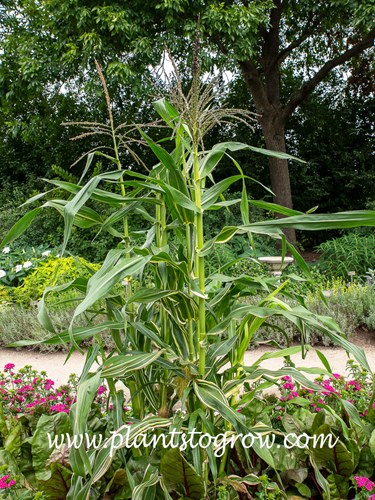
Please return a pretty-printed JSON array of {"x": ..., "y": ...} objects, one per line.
[{"x": 180, "y": 339}]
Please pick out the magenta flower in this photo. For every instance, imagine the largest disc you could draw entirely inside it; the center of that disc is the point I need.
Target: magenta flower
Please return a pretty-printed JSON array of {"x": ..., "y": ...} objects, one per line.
[
  {"x": 60, "y": 407},
  {"x": 25, "y": 388},
  {"x": 353, "y": 383},
  {"x": 102, "y": 389},
  {"x": 287, "y": 378},
  {"x": 4, "y": 484},
  {"x": 9, "y": 366},
  {"x": 364, "y": 482},
  {"x": 288, "y": 385},
  {"x": 48, "y": 384},
  {"x": 336, "y": 375}
]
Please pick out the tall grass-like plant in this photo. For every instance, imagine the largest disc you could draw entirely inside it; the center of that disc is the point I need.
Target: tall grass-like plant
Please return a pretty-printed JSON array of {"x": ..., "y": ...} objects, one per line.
[
  {"x": 181, "y": 337},
  {"x": 349, "y": 253}
]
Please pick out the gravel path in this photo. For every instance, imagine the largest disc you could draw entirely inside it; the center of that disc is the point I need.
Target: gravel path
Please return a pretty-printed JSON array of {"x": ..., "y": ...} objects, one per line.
[{"x": 59, "y": 369}]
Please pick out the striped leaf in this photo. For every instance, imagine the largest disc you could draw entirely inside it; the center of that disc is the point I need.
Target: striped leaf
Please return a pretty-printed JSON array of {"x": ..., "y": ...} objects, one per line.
[
  {"x": 79, "y": 334},
  {"x": 318, "y": 222},
  {"x": 87, "y": 390},
  {"x": 123, "y": 365},
  {"x": 77, "y": 202},
  {"x": 146, "y": 489},
  {"x": 263, "y": 373},
  {"x": 102, "y": 282},
  {"x": 124, "y": 438}
]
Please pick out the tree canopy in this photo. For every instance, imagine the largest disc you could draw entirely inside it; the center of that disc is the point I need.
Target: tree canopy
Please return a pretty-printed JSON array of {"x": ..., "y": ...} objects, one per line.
[{"x": 282, "y": 50}]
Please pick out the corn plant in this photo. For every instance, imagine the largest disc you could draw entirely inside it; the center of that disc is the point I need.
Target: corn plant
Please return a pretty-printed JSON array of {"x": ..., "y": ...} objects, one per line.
[{"x": 180, "y": 335}]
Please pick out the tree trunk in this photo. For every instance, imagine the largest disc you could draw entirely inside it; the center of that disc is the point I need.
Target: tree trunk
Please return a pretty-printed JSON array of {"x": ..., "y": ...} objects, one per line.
[
  {"x": 274, "y": 136},
  {"x": 272, "y": 121}
]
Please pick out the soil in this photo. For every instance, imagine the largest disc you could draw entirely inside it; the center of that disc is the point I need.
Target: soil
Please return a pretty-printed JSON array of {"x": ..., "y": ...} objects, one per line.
[
  {"x": 58, "y": 367},
  {"x": 310, "y": 256}
]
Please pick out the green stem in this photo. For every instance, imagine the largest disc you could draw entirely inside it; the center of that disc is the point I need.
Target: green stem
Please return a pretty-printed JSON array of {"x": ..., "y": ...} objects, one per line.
[
  {"x": 161, "y": 241},
  {"x": 190, "y": 270},
  {"x": 199, "y": 264}
]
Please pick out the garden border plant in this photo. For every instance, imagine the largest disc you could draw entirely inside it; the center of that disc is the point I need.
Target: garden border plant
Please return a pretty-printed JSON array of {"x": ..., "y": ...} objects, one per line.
[{"x": 181, "y": 341}]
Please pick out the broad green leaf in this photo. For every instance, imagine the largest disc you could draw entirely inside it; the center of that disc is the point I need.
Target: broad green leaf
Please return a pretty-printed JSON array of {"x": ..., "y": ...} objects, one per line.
[
  {"x": 43, "y": 317},
  {"x": 52, "y": 426},
  {"x": 179, "y": 475},
  {"x": 102, "y": 282},
  {"x": 210, "y": 161},
  {"x": 277, "y": 354},
  {"x": 85, "y": 217},
  {"x": 166, "y": 111},
  {"x": 58, "y": 485},
  {"x": 20, "y": 226},
  {"x": 337, "y": 460},
  {"x": 273, "y": 207},
  {"x": 211, "y": 194},
  {"x": 76, "y": 203}
]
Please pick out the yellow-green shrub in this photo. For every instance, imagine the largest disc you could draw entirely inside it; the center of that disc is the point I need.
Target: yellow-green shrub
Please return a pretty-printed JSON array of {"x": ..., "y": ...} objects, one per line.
[
  {"x": 5, "y": 296},
  {"x": 51, "y": 272}
]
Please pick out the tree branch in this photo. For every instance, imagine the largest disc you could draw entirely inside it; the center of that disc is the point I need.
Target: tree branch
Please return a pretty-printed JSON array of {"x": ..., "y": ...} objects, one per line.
[
  {"x": 254, "y": 83},
  {"x": 296, "y": 43},
  {"x": 300, "y": 95}
]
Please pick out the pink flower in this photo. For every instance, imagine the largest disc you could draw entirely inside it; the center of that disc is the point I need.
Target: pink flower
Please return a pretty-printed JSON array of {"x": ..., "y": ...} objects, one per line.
[
  {"x": 329, "y": 389},
  {"x": 336, "y": 375},
  {"x": 25, "y": 388},
  {"x": 364, "y": 482},
  {"x": 60, "y": 407},
  {"x": 288, "y": 385},
  {"x": 48, "y": 384},
  {"x": 102, "y": 389},
  {"x": 18, "y": 381},
  {"x": 354, "y": 383},
  {"x": 9, "y": 366},
  {"x": 287, "y": 378},
  {"x": 4, "y": 484}
]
